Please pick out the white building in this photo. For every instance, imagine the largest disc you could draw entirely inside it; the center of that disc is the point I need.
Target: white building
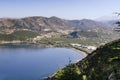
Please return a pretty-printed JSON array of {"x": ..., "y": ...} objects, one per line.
[
  {"x": 74, "y": 44},
  {"x": 91, "y": 47}
]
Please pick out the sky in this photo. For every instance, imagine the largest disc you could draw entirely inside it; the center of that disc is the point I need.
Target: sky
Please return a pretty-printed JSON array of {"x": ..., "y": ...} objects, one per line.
[{"x": 67, "y": 9}]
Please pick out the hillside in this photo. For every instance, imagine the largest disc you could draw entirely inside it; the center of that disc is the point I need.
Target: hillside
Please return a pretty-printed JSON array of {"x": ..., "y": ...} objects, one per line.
[
  {"x": 18, "y": 35},
  {"x": 39, "y": 24},
  {"x": 101, "y": 64},
  {"x": 85, "y": 29}
]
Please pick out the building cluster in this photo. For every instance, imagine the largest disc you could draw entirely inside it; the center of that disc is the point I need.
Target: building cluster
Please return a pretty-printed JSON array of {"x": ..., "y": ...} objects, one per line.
[{"x": 83, "y": 46}]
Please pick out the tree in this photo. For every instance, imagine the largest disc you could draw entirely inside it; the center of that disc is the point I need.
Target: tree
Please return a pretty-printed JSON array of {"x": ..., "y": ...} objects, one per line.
[{"x": 118, "y": 23}]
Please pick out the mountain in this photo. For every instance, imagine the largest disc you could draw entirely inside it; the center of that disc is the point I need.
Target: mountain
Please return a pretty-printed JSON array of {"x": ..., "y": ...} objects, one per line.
[
  {"x": 35, "y": 23},
  {"x": 85, "y": 28},
  {"x": 111, "y": 20},
  {"x": 52, "y": 23},
  {"x": 101, "y": 64},
  {"x": 89, "y": 24},
  {"x": 89, "y": 29}
]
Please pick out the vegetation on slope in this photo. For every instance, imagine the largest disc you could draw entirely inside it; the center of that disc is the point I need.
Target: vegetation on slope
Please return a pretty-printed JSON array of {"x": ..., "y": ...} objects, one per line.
[
  {"x": 88, "y": 31},
  {"x": 18, "y": 35},
  {"x": 63, "y": 41},
  {"x": 102, "y": 64}
]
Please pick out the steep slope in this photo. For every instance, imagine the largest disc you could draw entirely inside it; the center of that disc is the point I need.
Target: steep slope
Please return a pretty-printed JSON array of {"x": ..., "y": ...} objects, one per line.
[{"x": 101, "y": 64}]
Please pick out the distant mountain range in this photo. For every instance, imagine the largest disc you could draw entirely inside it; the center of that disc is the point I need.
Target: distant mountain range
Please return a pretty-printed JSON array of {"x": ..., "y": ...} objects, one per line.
[
  {"x": 53, "y": 23},
  {"x": 43, "y": 25}
]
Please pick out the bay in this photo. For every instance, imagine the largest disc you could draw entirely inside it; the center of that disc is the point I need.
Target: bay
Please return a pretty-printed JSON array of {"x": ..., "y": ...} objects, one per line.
[{"x": 34, "y": 63}]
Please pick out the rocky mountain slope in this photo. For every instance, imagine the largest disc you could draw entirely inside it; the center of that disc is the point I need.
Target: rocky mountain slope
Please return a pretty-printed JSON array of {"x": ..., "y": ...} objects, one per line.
[
  {"x": 35, "y": 23},
  {"x": 83, "y": 29},
  {"x": 101, "y": 64},
  {"x": 53, "y": 24}
]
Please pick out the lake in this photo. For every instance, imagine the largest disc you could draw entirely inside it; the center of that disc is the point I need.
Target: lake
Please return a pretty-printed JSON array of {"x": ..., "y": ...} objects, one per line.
[{"x": 34, "y": 63}]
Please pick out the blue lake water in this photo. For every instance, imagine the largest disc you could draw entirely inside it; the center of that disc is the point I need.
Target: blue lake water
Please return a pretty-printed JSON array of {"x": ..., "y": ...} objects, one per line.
[{"x": 34, "y": 63}]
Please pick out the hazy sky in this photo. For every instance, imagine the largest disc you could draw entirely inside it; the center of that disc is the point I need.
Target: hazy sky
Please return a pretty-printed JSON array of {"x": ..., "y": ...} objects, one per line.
[{"x": 68, "y": 9}]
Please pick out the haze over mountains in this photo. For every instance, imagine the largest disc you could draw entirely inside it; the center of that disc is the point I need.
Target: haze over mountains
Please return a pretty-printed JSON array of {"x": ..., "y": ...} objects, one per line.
[{"x": 108, "y": 18}]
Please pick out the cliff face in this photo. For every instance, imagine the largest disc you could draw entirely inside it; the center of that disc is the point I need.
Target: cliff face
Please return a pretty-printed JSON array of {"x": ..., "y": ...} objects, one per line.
[{"x": 101, "y": 64}]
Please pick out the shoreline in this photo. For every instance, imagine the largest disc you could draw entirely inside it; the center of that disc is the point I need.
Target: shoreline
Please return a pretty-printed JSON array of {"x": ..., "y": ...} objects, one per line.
[
  {"x": 12, "y": 42},
  {"x": 83, "y": 53},
  {"x": 80, "y": 52},
  {"x": 74, "y": 49}
]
